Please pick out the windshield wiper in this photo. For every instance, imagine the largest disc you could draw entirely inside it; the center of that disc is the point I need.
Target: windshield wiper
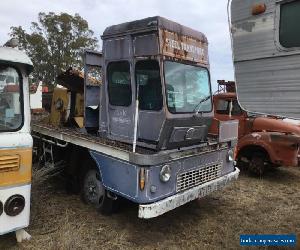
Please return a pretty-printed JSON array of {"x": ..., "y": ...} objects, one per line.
[{"x": 204, "y": 99}]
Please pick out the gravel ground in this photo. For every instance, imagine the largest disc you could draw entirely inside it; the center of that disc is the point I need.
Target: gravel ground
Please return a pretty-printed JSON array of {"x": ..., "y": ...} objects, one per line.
[{"x": 268, "y": 205}]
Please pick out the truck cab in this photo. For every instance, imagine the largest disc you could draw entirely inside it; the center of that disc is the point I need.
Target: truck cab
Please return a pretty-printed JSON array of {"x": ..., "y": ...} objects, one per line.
[
  {"x": 262, "y": 140},
  {"x": 162, "y": 65}
]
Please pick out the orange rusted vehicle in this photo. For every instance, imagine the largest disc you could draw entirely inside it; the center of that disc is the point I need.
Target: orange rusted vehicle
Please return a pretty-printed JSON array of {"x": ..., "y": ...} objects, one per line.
[{"x": 263, "y": 141}]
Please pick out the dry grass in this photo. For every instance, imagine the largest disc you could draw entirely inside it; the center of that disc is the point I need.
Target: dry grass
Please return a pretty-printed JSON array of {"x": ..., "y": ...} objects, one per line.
[{"x": 250, "y": 205}]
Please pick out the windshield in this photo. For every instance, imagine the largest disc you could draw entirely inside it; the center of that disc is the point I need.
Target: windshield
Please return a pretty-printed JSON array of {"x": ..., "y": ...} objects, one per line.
[
  {"x": 10, "y": 101},
  {"x": 187, "y": 88}
]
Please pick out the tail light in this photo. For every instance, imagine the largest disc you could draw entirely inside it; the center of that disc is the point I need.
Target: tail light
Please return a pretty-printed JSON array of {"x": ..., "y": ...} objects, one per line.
[
  {"x": 14, "y": 205},
  {"x": 258, "y": 9}
]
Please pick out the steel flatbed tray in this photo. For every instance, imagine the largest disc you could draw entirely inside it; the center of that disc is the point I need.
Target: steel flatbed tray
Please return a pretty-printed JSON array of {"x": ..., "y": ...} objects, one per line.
[{"x": 117, "y": 149}]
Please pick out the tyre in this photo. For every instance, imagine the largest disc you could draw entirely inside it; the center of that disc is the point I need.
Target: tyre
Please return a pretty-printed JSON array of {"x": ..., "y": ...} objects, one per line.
[
  {"x": 257, "y": 164},
  {"x": 243, "y": 163},
  {"x": 94, "y": 193}
]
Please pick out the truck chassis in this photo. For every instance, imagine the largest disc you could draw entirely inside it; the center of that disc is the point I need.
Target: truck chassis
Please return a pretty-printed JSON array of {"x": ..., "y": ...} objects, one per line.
[{"x": 196, "y": 171}]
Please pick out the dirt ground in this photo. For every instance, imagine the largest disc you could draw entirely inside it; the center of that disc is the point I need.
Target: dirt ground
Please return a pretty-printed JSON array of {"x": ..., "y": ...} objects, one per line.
[{"x": 249, "y": 206}]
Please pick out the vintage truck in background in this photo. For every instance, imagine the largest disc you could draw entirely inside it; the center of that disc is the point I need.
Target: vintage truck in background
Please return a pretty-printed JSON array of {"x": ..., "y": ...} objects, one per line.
[
  {"x": 264, "y": 141},
  {"x": 138, "y": 126}
]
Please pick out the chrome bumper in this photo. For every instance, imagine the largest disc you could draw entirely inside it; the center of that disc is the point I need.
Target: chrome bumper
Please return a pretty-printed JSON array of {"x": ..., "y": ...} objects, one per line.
[{"x": 158, "y": 208}]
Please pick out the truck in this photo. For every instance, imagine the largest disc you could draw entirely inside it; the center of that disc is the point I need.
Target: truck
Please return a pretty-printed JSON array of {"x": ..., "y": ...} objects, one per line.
[
  {"x": 263, "y": 141},
  {"x": 142, "y": 131},
  {"x": 15, "y": 142},
  {"x": 266, "y": 55}
]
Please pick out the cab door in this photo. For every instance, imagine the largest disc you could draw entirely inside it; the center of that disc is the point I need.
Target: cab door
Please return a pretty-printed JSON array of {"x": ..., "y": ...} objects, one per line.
[{"x": 120, "y": 102}]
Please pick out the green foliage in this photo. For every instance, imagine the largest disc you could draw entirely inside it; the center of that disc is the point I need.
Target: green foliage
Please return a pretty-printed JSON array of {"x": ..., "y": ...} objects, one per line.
[{"x": 56, "y": 42}]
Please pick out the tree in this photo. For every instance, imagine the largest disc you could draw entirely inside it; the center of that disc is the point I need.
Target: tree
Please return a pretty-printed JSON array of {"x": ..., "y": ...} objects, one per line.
[{"x": 56, "y": 42}]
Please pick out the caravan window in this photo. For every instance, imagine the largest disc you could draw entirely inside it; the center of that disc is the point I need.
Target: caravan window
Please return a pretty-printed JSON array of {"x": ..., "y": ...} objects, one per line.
[{"x": 289, "y": 30}]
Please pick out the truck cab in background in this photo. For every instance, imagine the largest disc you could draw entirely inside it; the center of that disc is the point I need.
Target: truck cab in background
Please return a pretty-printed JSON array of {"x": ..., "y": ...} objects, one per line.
[
  {"x": 263, "y": 141},
  {"x": 15, "y": 141}
]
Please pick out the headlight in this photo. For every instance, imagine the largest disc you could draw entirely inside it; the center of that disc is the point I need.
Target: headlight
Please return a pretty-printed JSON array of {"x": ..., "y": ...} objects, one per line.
[
  {"x": 165, "y": 173},
  {"x": 14, "y": 205},
  {"x": 230, "y": 155},
  {"x": 1, "y": 208}
]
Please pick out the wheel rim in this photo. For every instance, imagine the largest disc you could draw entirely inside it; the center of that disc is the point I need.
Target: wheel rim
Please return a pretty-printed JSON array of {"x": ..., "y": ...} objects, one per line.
[{"x": 94, "y": 191}]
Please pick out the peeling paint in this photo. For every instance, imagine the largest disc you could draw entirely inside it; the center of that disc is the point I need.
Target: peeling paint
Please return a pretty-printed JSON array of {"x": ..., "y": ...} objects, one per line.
[
  {"x": 256, "y": 136},
  {"x": 158, "y": 208}
]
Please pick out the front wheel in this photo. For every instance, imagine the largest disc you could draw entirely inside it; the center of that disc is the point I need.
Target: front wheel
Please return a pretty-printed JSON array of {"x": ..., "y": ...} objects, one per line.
[
  {"x": 257, "y": 164},
  {"x": 94, "y": 193}
]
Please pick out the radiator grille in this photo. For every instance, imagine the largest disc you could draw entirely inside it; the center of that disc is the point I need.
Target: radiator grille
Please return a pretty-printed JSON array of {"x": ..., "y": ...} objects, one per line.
[
  {"x": 9, "y": 162},
  {"x": 198, "y": 176}
]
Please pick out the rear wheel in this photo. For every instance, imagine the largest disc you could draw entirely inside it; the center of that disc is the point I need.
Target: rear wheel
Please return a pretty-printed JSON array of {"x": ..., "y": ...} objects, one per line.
[{"x": 94, "y": 193}]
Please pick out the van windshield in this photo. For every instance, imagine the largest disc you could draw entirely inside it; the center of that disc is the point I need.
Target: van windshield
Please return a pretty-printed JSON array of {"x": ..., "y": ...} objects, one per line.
[
  {"x": 11, "y": 116},
  {"x": 187, "y": 88}
]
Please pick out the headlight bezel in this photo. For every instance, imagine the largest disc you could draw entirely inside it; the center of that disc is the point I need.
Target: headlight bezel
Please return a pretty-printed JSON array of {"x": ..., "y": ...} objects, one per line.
[
  {"x": 230, "y": 155},
  {"x": 165, "y": 173}
]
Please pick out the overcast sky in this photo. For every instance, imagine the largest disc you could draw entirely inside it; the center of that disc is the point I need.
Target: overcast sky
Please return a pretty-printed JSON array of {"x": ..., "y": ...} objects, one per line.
[{"x": 207, "y": 16}]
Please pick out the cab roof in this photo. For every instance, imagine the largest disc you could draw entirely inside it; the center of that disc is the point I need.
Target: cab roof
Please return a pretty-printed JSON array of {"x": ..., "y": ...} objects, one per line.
[
  {"x": 15, "y": 56},
  {"x": 151, "y": 24}
]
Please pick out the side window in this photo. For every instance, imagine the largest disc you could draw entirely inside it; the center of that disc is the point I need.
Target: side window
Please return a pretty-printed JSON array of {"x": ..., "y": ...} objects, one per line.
[
  {"x": 289, "y": 30},
  {"x": 149, "y": 85},
  {"x": 119, "y": 84},
  {"x": 236, "y": 109},
  {"x": 223, "y": 107}
]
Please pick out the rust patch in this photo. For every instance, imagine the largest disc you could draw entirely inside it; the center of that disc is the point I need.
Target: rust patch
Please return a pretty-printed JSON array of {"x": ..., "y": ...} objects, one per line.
[{"x": 183, "y": 47}]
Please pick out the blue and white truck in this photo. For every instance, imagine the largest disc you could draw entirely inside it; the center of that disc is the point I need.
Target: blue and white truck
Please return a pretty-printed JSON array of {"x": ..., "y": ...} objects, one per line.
[{"x": 147, "y": 108}]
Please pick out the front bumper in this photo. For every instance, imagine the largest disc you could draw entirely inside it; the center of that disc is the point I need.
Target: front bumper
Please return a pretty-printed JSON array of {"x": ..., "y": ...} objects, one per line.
[{"x": 155, "y": 209}]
